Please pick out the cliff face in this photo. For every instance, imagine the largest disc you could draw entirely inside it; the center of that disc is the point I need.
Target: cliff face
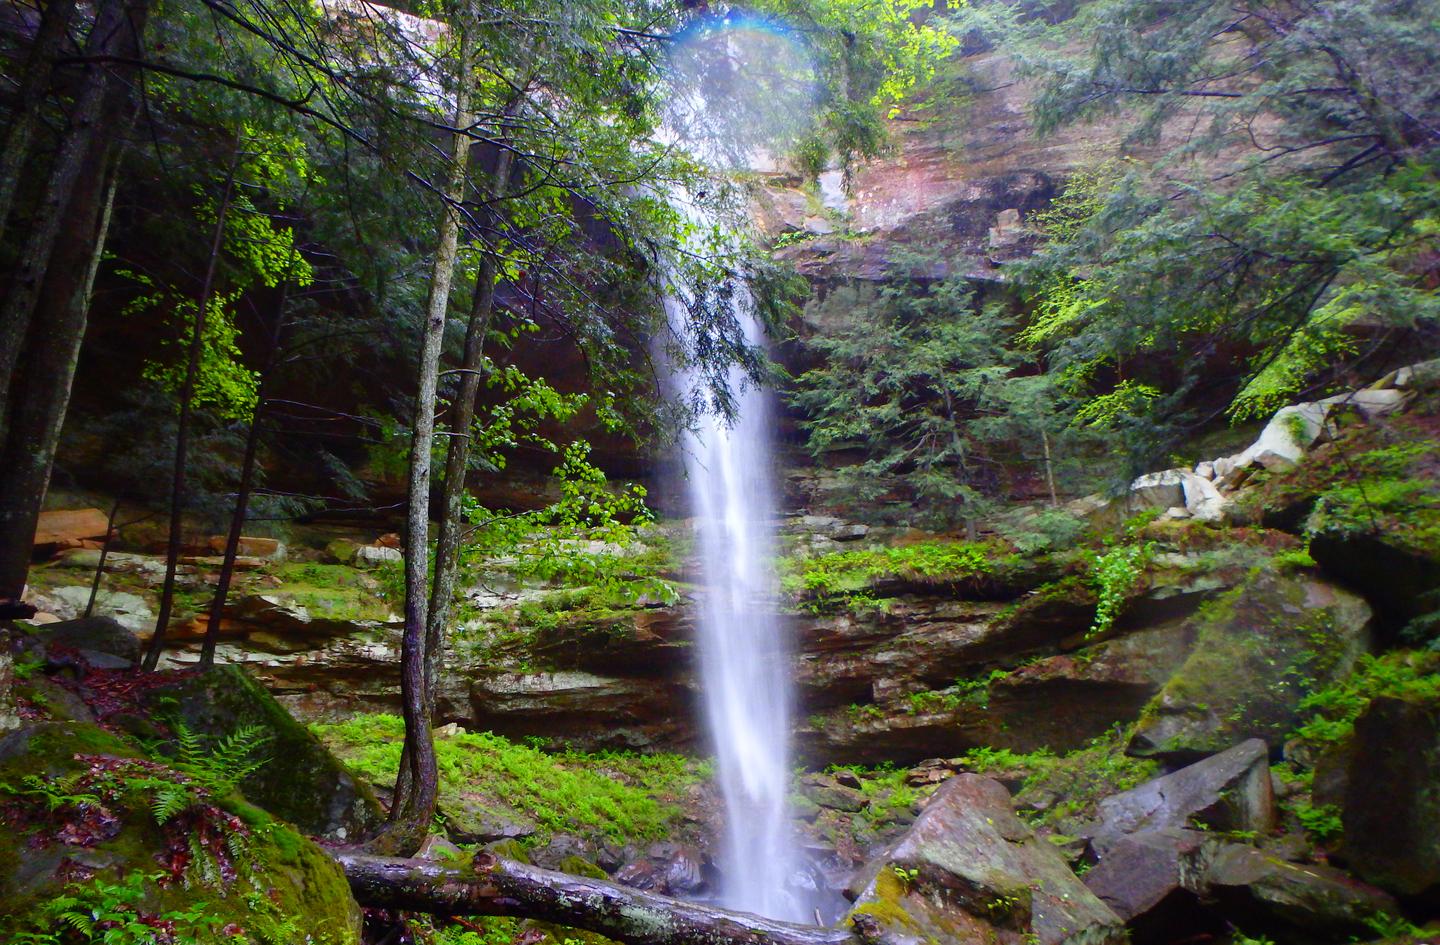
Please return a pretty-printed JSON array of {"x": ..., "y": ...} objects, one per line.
[{"x": 965, "y": 173}]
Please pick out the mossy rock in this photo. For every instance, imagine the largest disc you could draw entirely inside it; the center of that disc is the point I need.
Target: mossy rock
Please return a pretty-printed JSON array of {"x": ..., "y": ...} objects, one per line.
[
  {"x": 280, "y": 885},
  {"x": 302, "y": 781},
  {"x": 1259, "y": 650}
]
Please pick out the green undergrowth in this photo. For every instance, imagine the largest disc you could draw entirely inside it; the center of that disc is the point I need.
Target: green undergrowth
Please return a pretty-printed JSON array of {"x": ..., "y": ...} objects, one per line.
[
  {"x": 600, "y": 612},
  {"x": 500, "y": 930},
  {"x": 844, "y": 579},
  {"x": 1329, "y": 716},
  {"x": 618, "y": 796},
  {"x": 1076, "y": 781},
  {"x": 334, "y": 591},
  {"x": 172, "y": 848},
  {"x": 1330, "y": 713},
  {"x": 969, "y": 691},
  {"x": 1389, "y": 488}
]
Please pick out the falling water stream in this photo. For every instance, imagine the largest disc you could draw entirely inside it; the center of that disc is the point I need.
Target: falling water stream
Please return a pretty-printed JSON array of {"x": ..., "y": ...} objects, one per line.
[
  {"x": 743, "y": 647},
  {"x": 742, "y": 88}
]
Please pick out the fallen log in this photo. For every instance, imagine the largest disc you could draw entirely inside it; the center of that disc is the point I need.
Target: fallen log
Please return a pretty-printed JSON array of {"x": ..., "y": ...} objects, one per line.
[{"x": 496, "y": 886}]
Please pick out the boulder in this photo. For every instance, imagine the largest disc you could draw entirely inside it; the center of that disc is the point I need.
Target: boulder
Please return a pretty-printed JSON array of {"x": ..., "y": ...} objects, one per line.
[
  {"x": 1228, "y": 791},
  {"x": 967, "y": 869},
  {"x": 94, "y": 635},
  {"x": 375, "y": 556},
  {"x": 1159, "y": 490},
  {"x": 1256, "y": 890},
  {"x": 69, "y": 528},
  {"x": 1417, "y": 376},
  {"x": 1287, "y": 436},
  {"x": 341, "y": 551},
  {"x": 1202, "y": 500},
  {"x": 826, "y": 791},
  {"x": 671, "y": 869},
  {"x": 271, "y": 549},
  {"x": 468, "y": 820},
  {"x": 263, "y": 878},
  {"x": 1158, "y": 881},
  {"x": 301, "y": 781},
  {"x": 1391, "y": 805},
  {"x": 1370, "y": 404},
  {"x": 1149, "y": 880},
  {"x": 129, "y": 610},
  {"x": 1259, "y": 650}
]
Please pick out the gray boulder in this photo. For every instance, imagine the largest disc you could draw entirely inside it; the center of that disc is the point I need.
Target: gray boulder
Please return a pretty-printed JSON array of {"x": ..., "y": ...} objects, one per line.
[
  {"x": 1391, "y": 804},
  {"x": 1257, "y": 890},
  {"x": 969, "y": 870},
  {"x": 1259, "y": 650},
  {"x": 94, "y": 635},
  {"x": 1149, "y": 880},
  {"x": 1228, "y": 791}
]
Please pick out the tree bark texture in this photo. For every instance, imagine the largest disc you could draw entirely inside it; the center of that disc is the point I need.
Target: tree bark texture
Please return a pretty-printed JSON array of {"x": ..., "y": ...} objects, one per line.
[
  {"x": 54, "y": 219},
  {"x": 417, "y": 784},
  {"x": 497, "y": 886},
  {"x": 79, "y": 194},
  {"x": 55, "y": 19},
  {"x": 457, "y": 451},
  {"x": 182, "y": 424}
]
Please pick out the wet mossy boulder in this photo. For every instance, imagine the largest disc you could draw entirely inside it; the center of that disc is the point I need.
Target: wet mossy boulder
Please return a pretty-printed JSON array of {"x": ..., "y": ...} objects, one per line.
[
  {"x": 1259, "y": 650},
  {"x": 1228, "y": 791},
  {"x": 90, "y": 824},
  {"x": 91, "y": 635},
  {"x": 1391, "y": 796},
  {"x": 969, "y": 871},
  {"x": 302, "y": 781}
]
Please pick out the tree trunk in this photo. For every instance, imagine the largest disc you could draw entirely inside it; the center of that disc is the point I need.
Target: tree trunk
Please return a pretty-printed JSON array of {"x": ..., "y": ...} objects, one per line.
[
  {"x": 503, "y": 887},
  {"x": 40, "y": 393},
  {"x": 457, "y": 452},
  {"x": 100, "y": 565},
  {"x": 39, "y": 66},
  {"x": 242, "y": 491},
  {"x": 182, "y": 424},
  {"x": 417, "y": 784},
  {"x": 88, "y": 124}
]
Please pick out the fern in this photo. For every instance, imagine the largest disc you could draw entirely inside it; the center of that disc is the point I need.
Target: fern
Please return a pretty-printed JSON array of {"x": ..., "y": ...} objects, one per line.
[{"x": 220, "y": 767}]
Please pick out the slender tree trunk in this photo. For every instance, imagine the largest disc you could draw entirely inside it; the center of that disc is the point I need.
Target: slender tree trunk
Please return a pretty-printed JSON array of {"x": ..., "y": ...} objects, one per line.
[
  {"x": 417, "y": 784},
  {"x": 1049, "y": 470},
  {"x": 88, "y": 122},
  {"x": 39, "y": 66},
  {"x": 497, "y": 886},
  {"x": 242, "y": 492},
  {"x": 457, "y": 453},
  {"x": 182, "y": 424},
  {"x": 104, "y": 553},
  {"x": 40, "y": 393}
]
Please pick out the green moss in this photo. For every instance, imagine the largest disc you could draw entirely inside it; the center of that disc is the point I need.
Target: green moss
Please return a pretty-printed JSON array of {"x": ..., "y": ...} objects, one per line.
[
  {"x": 281, "y": 887},
  {"x": 331, "y": 591},
  {"x": 1329, "y": 713},
  {"x": 844, "y": 579},
  {"x": 885, "y": 906},
  {"x": 1078, "y": 780},
  {"x": 301, "y": 782},
  {"x": 622, "y": 796},
  {"x": 579, "y": 866}
]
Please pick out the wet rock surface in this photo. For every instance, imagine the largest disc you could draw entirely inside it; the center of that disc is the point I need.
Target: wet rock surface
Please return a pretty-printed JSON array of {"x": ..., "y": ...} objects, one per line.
[
  {"x": 969, "y": 869},
  {"x": 1230, "y": 791}
]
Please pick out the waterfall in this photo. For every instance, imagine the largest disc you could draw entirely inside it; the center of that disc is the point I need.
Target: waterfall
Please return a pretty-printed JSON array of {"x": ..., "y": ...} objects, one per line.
[{"x": 743, "y": 642}]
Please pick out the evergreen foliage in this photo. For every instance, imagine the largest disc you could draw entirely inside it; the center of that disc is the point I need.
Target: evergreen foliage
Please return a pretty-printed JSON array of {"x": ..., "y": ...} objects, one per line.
[
  {"x": 919, "y": 381},
  {"x": 1280, "y": 226}
]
